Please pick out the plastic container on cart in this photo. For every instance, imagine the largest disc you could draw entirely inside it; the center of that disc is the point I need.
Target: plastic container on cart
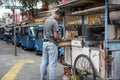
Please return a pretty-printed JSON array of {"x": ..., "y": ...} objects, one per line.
[
  {"x": 114, "y": 1},
  {"x": 72, "y": 33},
  {"x": 67, "y": 73},
  {"x": 76, "y": 33},
  {"x": 68, "y": 33}
]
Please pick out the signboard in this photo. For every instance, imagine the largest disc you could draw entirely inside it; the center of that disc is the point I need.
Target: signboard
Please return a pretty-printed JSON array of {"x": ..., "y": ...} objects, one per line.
[{"x": 14, "y": 7}]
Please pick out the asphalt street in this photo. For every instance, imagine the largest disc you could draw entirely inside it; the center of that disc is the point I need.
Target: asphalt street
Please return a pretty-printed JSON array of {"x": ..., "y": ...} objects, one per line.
[{"x": 24, "y": 66}]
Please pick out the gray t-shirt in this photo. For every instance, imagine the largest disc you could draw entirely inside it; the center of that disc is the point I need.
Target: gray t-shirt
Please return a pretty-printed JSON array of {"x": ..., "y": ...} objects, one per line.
[{"x": 50, "y": 26}]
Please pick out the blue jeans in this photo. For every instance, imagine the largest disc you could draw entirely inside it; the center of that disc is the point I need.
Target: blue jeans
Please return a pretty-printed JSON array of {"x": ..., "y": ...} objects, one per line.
[{"x": 49, "y": 56}]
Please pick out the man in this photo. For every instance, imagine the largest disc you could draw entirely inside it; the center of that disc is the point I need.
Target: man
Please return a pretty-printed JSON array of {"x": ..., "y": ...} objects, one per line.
[
  {"x": 50, "y": 49},
  {"x": 9, "y": 20},
  {"x": 8, "y": 29}
]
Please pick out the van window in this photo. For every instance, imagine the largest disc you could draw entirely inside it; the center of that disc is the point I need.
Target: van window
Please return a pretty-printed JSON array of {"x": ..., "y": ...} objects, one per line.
[
  {"x": 26, "y": 31},
  {"x": 21, "y": 31},
  {"x": 39, "y": 34},
  {"x": 32, "y": 30}
]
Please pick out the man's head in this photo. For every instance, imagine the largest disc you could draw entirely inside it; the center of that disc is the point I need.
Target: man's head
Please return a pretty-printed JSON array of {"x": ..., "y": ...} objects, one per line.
[
  {"x": 8, "y": 15},
  {"x": 59, "y": 14}
]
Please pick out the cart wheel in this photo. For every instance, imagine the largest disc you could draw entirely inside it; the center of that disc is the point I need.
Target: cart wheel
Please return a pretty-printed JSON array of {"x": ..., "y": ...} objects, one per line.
[{"x": 83, "y": 68}]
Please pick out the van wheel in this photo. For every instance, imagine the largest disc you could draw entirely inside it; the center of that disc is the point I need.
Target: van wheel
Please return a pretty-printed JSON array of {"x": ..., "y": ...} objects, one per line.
[
  {"x": 18, "y": 45},
  {"x": 22, "y": 47},
  {"x": 12, "y": 43},
  {"x": 38, "y": 52}
]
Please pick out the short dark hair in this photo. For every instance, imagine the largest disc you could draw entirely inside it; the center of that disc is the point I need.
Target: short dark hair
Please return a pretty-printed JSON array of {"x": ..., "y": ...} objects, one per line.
[
  {"x": 60, "y": 11},
  {"x": 8, "y": 14}
]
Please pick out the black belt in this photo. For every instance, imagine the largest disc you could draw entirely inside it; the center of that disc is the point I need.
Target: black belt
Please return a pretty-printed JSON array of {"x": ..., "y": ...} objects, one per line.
[{"x": 45, "y": 40}]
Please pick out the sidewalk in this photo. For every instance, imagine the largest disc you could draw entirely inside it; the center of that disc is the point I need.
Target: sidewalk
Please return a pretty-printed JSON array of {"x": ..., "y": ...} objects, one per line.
[{"x": 25, "y": 66}]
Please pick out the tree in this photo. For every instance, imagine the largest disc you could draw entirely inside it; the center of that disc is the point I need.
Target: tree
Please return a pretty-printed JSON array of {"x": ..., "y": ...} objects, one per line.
[
  {"x": 5, "y": 2},
  {"x": 29, "y": 5},
  {"x": 51, "y": 1},
  {"x": 0, "y": 2}
]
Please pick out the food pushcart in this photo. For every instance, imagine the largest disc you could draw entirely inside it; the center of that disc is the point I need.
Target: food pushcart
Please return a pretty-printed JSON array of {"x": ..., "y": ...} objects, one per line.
[{"x": 90, "y": 61}]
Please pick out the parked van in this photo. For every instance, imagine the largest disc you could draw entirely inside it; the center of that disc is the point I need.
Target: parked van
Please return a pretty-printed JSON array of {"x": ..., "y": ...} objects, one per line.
[
  {"x": 39, "y": 39},
  {"x": 27, "y": 36}
]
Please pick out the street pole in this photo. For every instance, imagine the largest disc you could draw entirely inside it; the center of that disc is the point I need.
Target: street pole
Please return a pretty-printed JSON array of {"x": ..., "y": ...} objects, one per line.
[
  {"x": 106, "y": 33},
  {"x": 14, "y": 30},
  {"x": 14, "y": 33}
]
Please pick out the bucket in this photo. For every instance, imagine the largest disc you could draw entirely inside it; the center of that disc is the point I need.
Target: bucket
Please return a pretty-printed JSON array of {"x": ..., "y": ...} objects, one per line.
[
  {"x": 68, "y": 34},
  {"x": 65, "y": 77},
  {"x": 67, "y": 71}
]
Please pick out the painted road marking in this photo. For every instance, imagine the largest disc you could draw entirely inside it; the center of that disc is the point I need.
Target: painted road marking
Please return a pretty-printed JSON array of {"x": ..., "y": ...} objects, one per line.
[{"x": 12, "y": 73}]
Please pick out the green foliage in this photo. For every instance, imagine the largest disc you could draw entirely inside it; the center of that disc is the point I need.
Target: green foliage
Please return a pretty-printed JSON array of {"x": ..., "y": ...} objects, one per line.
[
  {"x": 28, "y": 3},
  {"x": 0, "y": 2},
  {"x": 51, "y": 1}
]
